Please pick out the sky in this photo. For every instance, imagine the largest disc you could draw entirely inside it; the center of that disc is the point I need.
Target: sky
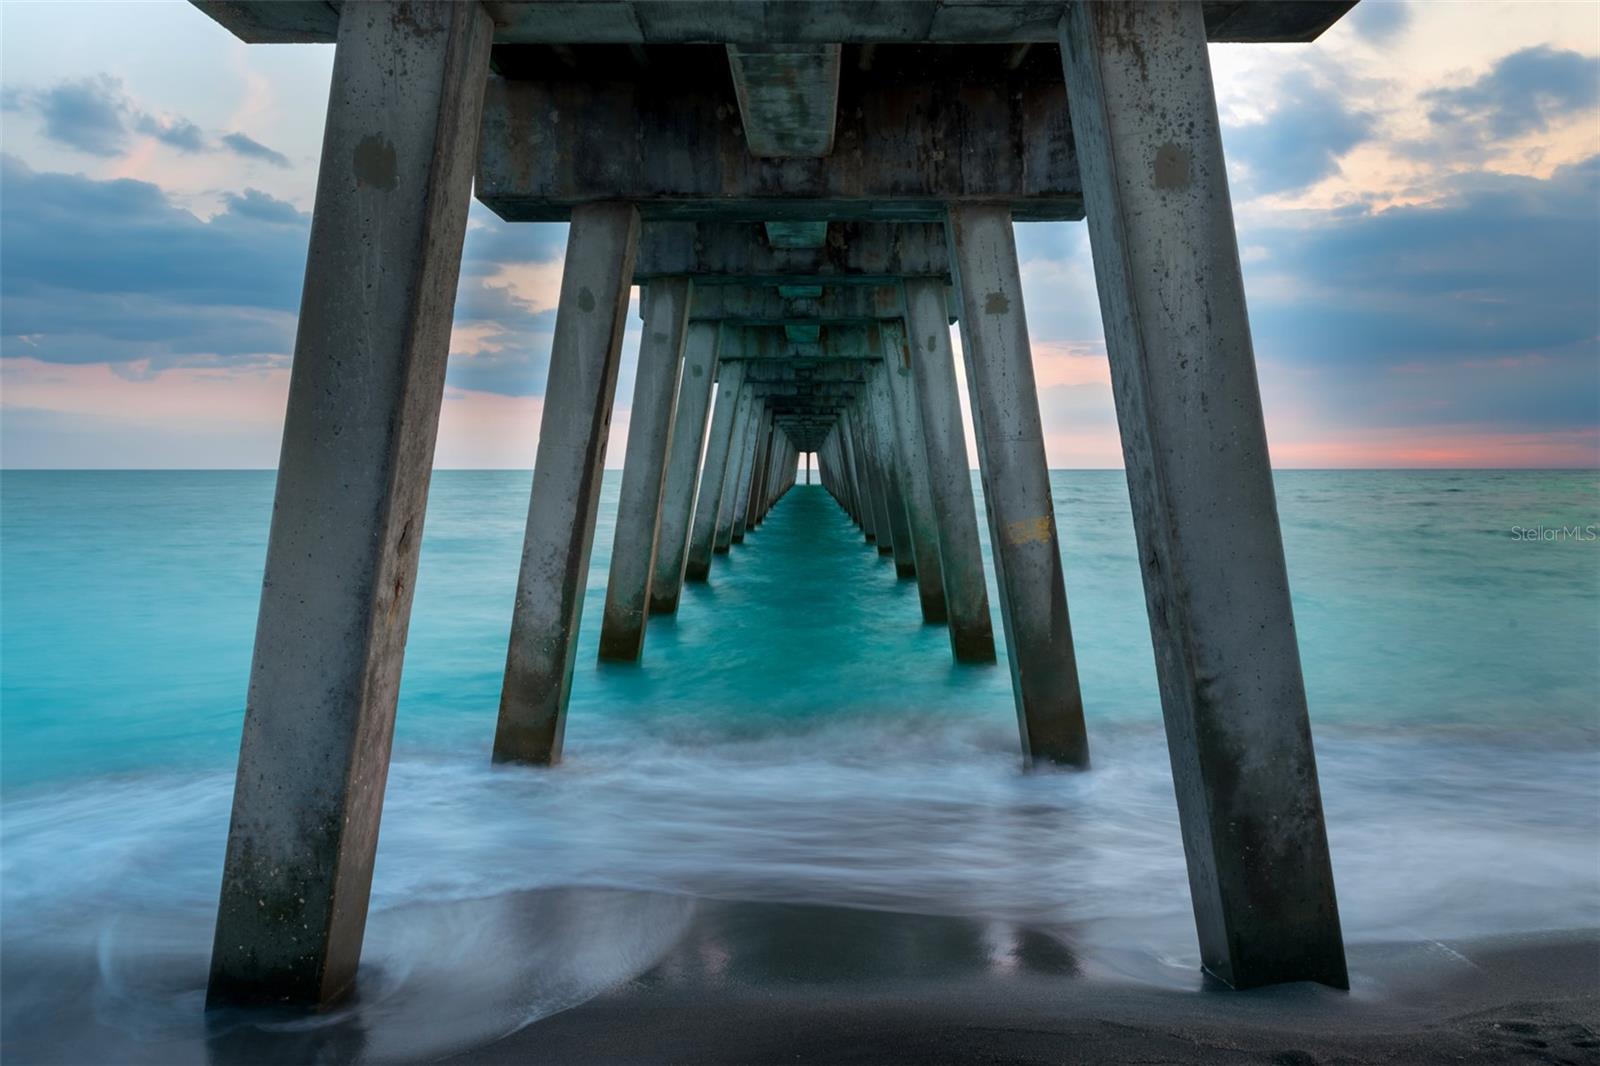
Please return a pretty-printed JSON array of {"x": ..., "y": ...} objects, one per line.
[{"x": 1417, "y": 197}]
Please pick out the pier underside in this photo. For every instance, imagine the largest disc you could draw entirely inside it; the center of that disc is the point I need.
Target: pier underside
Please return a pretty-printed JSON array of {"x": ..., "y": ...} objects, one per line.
[{"x": 807, "y": 195}]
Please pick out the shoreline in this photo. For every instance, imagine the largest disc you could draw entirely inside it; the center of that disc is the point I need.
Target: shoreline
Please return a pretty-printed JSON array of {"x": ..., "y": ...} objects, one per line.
[
  {"x": 608, "y": 975},
  {"x": 800, "y": 983}
]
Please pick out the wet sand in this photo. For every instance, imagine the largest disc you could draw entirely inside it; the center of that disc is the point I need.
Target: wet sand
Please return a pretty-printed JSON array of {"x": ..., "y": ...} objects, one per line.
[
  {"x": 765, "y": 983},
  {"x": 604, "y": 975}
]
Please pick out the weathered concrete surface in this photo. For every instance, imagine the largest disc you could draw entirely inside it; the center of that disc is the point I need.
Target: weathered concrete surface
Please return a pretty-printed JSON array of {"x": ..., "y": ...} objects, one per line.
[
  {"x": 719, "y": 452},
  {"x": 665, "y": 304},
  {"x": 364, "y": 395},
  {"x": 747, "y": 468},
  {"x": 733, "y": 476},
  {"x": 843, "y": 305},
  {"x": 635, "y": 22},
  {"x": 1183, "y": 371},
  {"x": 1016, "y": 480},
  {"x": 670, "y": 140},
  {"x": 788, "y": 97},
  {"x": 736, "y": 253},
  {"x": 683, "y": 466},
  {"x": 850, "y": 441},
  {"x": 883, "y": 432},
  {"x": 772, "y": 342},
  {"x": 912, "y": 462},
  {"x": 584, "y": 354},
  {"x": 796, "y": 234},
  {"x": 949, "y": 476}
]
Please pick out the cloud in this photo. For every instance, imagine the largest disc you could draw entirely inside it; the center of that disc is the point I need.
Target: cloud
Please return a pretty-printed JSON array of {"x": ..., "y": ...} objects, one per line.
[
  {"x": 86, "y": 115},
  {"x": 1477, "y": 307},
  {"x": 1300, "y": 142},
  {"x": 250, "y": 148},
  {"x": 1522, "y": 93},
  {"x": 97, "y": 117},
  {"x": 177, "y": 133},
  {"x": 114, "y": 272},
  {"x": 1379, "y": 21}
]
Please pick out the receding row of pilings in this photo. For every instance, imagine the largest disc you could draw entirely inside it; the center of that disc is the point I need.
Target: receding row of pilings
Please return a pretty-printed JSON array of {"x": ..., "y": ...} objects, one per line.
[{"x": 408, "y": 90}]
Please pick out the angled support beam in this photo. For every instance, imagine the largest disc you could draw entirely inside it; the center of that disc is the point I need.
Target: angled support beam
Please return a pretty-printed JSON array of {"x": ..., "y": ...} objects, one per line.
[
  {"x": 1016, "y": 486},
  {"x": 358, "y": 438},
  {"x": 1200, "y": 477},
  {"x": 733, "y": 476},
  {"x": 933, "y": 378},
  {"x": 912, "y": 462},
  {"x": 884, "y": 432},
  {"x": 719, "y": 456},
  {"x": 584, "y": 355},
  {"x": 665, "y": 305},
  {"x": 683, "y": 466}
]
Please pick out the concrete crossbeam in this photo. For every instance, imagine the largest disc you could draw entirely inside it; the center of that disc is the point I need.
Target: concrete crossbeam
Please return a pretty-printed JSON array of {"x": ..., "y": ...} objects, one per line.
[
  {"x": 788, "y": 97},
  {"x": 846, "y": 305},
  {"x": 734, "y": 253},
  {"x": 675, "y": 149},
  {"x": 814, "y": 21}
]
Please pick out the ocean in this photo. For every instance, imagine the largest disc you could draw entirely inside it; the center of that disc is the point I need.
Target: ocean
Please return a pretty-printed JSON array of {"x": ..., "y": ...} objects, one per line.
[{"x": 794, "y": 734}]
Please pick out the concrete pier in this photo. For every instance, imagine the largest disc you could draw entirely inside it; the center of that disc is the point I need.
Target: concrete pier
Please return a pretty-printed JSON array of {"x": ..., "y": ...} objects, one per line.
[
  {"x": 1016, "y": 485},
  {"x": 665, "y": 308},
  {"x": 912, "y": 462},
  {"x": 719, "y": 449},
  {"x": 683, "y": 466},
  {"x": 358, "y": 438},
  {"x": 966, "y": 594},
  {"x": 1194, "y": 441},
  {"x": 818, "y": 175},
  {"x": 584, "y": 355}
]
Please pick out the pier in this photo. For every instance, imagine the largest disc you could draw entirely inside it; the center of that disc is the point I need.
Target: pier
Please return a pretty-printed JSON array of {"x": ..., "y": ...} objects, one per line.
[{"x": 809, "y": 196}]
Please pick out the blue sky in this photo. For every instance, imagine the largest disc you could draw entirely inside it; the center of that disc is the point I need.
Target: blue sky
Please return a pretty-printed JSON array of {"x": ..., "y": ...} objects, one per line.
[{"x": 1418, "y": 200}]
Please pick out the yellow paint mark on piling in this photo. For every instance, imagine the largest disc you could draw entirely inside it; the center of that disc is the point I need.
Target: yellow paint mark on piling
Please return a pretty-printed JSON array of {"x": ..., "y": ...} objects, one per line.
[{"x": 1031, "y": 530}]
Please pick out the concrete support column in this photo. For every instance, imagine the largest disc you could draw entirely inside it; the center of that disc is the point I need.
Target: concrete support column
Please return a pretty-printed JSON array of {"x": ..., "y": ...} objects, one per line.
[
  {"x": 883, "y": 429},
  {"x": 584, "y": 354},
  {"x": 719, "y": 451},
  {"x": 865, "y": 418},
  {"x": 933, "y": 376},
  {"x": 683, "y": 466},
  {"x": 808, "y": 468},
  {"x": 1022, "y": 527},
  {"x": 1194, "y": 441},
  {"x": 655, "y": 401},
  {"x": 738, "y": 447},
  {"x": 911, "y": 462},
  {"x": 358, "y": 438},
  {"x": 857, "y": 471},
  {"x": 758, "y": 482},
  {"x": 747, "y": 469}
]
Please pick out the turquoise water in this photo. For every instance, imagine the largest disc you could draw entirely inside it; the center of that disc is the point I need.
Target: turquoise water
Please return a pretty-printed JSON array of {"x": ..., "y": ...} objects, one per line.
[{"x": 796, "y": 733}]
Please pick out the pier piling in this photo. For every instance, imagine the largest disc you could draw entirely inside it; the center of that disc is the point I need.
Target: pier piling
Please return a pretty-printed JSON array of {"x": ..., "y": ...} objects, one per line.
[
  {"x": 364, "y": 396},
  {"x": 1016, "y": 486},
  {"x": 1206, "y": 517},
  {"x": 665, "y": 307},
  {"x": 584, "y": 355}
]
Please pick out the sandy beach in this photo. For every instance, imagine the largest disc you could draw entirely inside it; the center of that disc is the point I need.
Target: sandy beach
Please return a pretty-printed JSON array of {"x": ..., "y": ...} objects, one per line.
[{"x": 772, "y": 983}]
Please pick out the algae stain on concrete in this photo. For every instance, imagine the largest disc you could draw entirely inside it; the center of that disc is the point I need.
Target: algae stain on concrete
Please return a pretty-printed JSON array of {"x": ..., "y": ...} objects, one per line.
[{"x": 374, "y": 162}]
